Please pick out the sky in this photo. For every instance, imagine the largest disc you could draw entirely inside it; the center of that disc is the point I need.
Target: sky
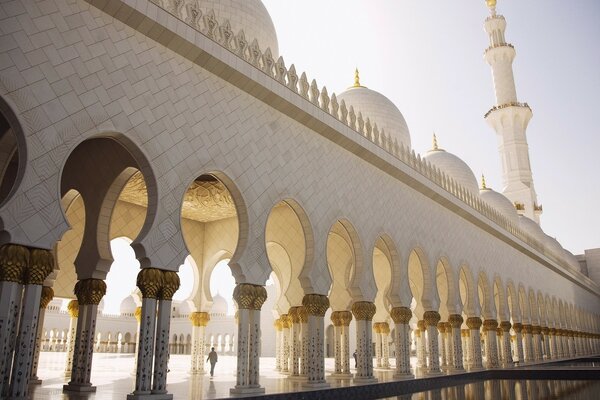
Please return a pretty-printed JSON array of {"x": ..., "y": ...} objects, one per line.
[{"x": 427, "y": 57}]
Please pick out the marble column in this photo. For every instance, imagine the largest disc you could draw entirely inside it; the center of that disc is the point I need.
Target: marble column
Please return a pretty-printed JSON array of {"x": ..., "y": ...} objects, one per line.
[
  {"x": 163, "y": 328},
  {"x": 199, "y": 322},
  {"x": 552, "y": 340},
  {"x": 278, "y": 331},
  {"x": 546, "y": 342},
  {"x": 491, "y": 343},
  {"x": 518, "y": 328},
  {"x": 432, "y": 318},
  {"x": 138, "y": 317},
  {"x": 527, "y": 339},
  {"x": 455, "y": 321},
  {"x": 150, "y": 282},
  {"x": 377, "y": 331},
  {"x": 444, "y": 340},
  {"x": 337, "y": 346},
  {"x": 474, "y": 324},
  {"x": 316, "y": 306},
  {"x": 295, "y": 344},
  {"x": 285, "y": 344},
  {"x": 537, "y": 342},
  {"x": 345, "y": 319},
  {"x": 401, "y": 317},
  {"x": 304, "y": 336},
  {"x": 73, "y": 309},
  {"x": 46, "y": 298},
  {"x": 421, "y": 346},
  {"x": 363, "y": 312},
  {"x": 385, "y": 345},
  {"x": 573, "y": 350},
  {"x": 507, "y": 360},
  {"x": 89, "y": 292},
  {"x": 467, "y": 351},
  {"x": 249, "y": 299},
  {"x": 14, "y": 259}
]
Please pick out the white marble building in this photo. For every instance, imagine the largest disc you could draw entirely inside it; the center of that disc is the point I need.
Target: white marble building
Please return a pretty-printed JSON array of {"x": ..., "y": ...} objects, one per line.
[{"x": 178, "y": 125}]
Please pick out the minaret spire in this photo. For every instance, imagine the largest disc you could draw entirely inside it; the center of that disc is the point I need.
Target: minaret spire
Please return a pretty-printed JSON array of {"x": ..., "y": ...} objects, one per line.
[{"x": 509, "y": 118}]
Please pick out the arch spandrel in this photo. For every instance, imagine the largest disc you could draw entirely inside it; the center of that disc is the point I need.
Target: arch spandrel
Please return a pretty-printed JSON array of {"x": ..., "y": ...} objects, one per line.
[
  {"x": 500, "y": 299},
  {"x": 486, "y": 296},
  {"x": 513, "y": 301},
  {"x": 533, "y": 307},
  {"x": 448, "y": 296},
  {"x": 524, "y": 305},
  {"x": 468, "y": 288},
  {"x": 383, "y": 271}
]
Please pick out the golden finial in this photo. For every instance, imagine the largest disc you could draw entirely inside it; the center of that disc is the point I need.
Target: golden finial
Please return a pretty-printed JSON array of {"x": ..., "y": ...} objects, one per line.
[
  {"x": 483, "y": 182},
  {"x": 356, "y": 78},
  {"x": 435, "y": 145},
  {"x": 491, "y": 3}
]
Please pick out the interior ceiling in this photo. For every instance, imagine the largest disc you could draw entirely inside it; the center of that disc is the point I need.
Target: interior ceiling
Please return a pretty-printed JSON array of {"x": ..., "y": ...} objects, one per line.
[{"x": 206, "y": 200}]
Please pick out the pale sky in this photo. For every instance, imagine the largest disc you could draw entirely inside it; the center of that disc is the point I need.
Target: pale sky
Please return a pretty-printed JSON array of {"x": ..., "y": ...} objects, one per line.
[{"x": 427, "y": 57}]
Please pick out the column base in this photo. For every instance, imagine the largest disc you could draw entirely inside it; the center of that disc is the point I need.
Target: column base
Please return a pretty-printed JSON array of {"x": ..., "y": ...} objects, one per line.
[
  {"x": 404, "y": 376},
  {"x": 79, "y": 388},
  {"x": 477, "y": 368},
  {"x": 456, "y": 370},
  {"x": 197, "y": 373},
  {"x": 34, "y": 380},
  {"x": 341, "y": 375},
  {"x": 315, "y": 385},
  {"x": 298, "y": 378},
  {"x": 434, "y": 373},
  {"x": 363, "y": 380},
  {"x": 149, "y": 396},
  {"x": 247, "y": 390}
]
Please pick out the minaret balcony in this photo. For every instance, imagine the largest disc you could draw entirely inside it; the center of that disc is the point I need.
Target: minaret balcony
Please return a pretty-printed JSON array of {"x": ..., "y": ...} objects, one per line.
[{"x": 507, "y": 105}]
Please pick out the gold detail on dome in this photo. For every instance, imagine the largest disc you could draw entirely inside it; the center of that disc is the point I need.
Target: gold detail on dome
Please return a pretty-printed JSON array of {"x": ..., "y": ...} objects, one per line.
[
  {"x": 435, "y": 144},
  {"x": 90, "y": 291},
  {"x": 73, "y": 308},
  {"x": 483, "y": 186},
  {"x": 356, "y": 79}
]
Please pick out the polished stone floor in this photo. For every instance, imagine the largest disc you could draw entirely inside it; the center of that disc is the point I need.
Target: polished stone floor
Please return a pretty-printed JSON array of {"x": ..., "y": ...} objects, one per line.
[{"x": 112, "y": 375}]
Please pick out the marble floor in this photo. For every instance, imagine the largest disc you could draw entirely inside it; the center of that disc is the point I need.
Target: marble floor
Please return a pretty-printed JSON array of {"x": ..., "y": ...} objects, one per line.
[{"x": 112, "y": 375}]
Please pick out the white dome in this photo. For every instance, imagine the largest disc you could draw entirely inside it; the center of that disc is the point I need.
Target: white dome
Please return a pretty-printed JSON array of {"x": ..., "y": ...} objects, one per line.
[
  {"x": 572, "y": 261},
  {"x": 249, "y": 15},
  {"x": 554, "y": 247},
  {"x": 185, "y": 307},
  {"x": 219, "y": 305},
  {"x": 532, "y": 229},
  {"x": 380, "y": 110},
  {"x": 128, "y": 305},
  {"x": 454, "y": 167},
  {"x": 500, "y": 203}
]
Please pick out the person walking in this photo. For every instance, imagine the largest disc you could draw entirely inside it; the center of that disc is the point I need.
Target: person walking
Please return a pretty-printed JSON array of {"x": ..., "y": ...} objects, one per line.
[
  {"x": 212, "y": 357},
  {"x": 355, "y": 359}
]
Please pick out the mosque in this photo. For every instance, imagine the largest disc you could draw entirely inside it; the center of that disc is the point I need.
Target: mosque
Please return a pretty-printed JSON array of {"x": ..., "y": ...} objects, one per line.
[{"x": 178, "y": 124}]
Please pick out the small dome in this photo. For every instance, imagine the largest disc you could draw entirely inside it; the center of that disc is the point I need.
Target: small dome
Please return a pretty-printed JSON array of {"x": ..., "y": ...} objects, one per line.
[
  {"x": 500, "y": 203},
  {"x": 572, "y": 261},
  {"x": 453, "y": 166},
  {"x": 533, "y": 229},
  {"x": 219, "y": 305},
  {"x": 555, "y": 248},
  {"x": 248, "y": 15},
  {"x": 128, "y": 305},
  {"x": 379, "y": 109}
]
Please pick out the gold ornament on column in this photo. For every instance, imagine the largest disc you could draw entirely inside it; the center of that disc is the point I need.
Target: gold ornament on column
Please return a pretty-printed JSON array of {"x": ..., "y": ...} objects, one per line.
[
  {"x": 41, "y": 264},
  {"x": 73, "y": 308},
  {"x": 490, "y": 325},
  {"x": 455, "y": 320},
  {"x": 545, "y": 330},
  {"x": 363, "y": 310},
  {"x": 401, "y": 315},
  {"x": 474, "y": 322},
  {"x": 278, "y": 325},
  {"x": 138, "y": 314},
  {"x": 150, "y": 282},
  {"x": 90, "y": 291},
  {"x": 170, "y": 285},
  {"x": 345, "y": 318},
  {"x": 505, "y": 326},
  {"x": 303, "y": 314},
  {"x": 499, "y": 331},
  {"x": 13, "y": 261},
  {"x": 293, "y": 315},
  {"x": 441, "y": 327},
  {"x": 517, "y": 327},
  {"x": 47, "y": 296},
  {"x": 384, "y": 327},
  {"x": 285, "y": 321},
  {"x": 536, "y": 330},
  {"x": 431, "y": 318},
  {"x": 421, "y": 325},
  {"x": 335, "y": 318},
  {"x": 315, "y": 304},
  {"x": 377, "y": 327},
  {"x": 526, "y": 328},
  {"x": 249, "y": 297},
  {"x": 465, "y": 333},
  {"x": 199, "y": 318}
]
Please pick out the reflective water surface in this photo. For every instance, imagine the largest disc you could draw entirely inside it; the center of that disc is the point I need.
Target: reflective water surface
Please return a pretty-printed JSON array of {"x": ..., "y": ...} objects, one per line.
[{"x": 512, "y": 389}]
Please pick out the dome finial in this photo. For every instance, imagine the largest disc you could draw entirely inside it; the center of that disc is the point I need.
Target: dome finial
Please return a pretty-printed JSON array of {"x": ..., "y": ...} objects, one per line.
[
  {"x": 492, "y": 6},
  {"x": 435, "y": 145},
  {"x": 356, "y": 78},
  {"x": 483, "y": 182}
]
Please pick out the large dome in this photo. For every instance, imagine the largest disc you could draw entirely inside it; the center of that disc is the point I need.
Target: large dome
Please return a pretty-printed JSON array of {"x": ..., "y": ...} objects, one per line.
[
  {"x": 219, "y": 305},
  {"x": 128, "y": 305},
  {"x": 379, "y": 109},
  {"x": 249, "y": 15},
  {"x": 500, "y": 203},
  {"x": 453, "y": 166}
]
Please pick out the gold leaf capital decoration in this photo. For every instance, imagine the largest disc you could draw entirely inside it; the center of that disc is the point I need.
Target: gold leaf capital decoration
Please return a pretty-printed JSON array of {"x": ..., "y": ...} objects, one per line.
[
  {"x": 474, "y": 322},
  {"x": 303, "y": 314},
  {"x": 341, "y": 318},
  {"x": 170, "y": 285},
  {"x": 73, "y": 308},
  {"x": 249, "y": 297},
  {"x": 441, "y": 327},
  {"x": 90, "y": 291},
  {"x": 47, "y": 296},
  {"x": 138, "y": 314},
  {"x": 315, "y": 304},
  {"x": 293, "y": 315},
  {"x": 505, "y": 326},
  {"x": 401, "y": 315},
  {"x": 150, "y": 282},
  {"x": 432, "y": 318},
  {"x": 199, "y": 318},
  {"x": 490, "y": 325},
  {"x": 285, "y": 321},
  {"x": 377, "y": 327},
  {"x": 455, "y": 320},
  {"x": 536, "y": 330},
  {"x": 41, "y": 264},
  {"x": 465, "y": 332},
  {"x": 384, "y": 327},
  {"x": 363, "y": 310},
  {"x": 517, "y": 327},
  {"x": 545, "y": 330},
  {"x": 13, "y": 261},
  {"x": 526, "y": 328}
]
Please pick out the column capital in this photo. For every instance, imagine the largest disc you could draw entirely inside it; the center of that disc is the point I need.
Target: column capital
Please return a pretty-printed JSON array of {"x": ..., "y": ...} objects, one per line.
[
  {"x": 199, "y": 318},
  {"x": 490, "y": 325},
  {"x": 455, "y": 320},
  {"x": 278, "y": 325},
  {"x": 421, "y": 325},
  {"x": 285, "y": 321},
  {"x": 315, "y": 304},
  {"x": 90, "y": 291},
  {"x": 536, "y": 330},
  {"x": 465, "y": 332},
  {"x": 138, "y": 314},
  {"x": 41, "y": 264},
  {"x": 505, "y": 326},
  {"x": 526, "y": 328},
  {"x": 377, "y": 327},
  {"x": 13, "y": 261},
  {"x": 431, "y": 318},
  {"x": 170, "y": 285},
  {"x": 293, "y": 314},
  {"x": 384, "y": 327},
  {"x": 303, "y": 314},
  {"x": 150, "y": 281},
  {"x": 363, "y": 310},
  {"x": 441, "y": 327},
  {"x": 474, "y": 322},
  {"x": 517, "y": 327},
  {"x": 249, "y": 297},
  {"x": 345, "y": 317},
  {"x": 47, "y": 296},
  {"x": 73, "y": 308},
  {"x": 401, "y": 315},
  {"x": 499, "y": 331}
]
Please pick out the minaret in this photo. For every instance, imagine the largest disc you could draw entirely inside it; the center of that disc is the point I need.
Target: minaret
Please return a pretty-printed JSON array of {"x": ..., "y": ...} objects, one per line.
[{"x": 509, "y": 118}]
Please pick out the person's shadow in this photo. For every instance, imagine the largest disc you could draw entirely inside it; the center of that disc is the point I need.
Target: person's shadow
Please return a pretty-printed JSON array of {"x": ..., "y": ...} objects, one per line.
[{"x": 211, "y": 388}]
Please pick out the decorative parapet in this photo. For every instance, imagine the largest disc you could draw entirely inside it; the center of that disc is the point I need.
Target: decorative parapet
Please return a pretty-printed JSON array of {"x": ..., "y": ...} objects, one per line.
[
  {"x": 495, "y": 46},
  {"x": 223, "y": 34}
]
